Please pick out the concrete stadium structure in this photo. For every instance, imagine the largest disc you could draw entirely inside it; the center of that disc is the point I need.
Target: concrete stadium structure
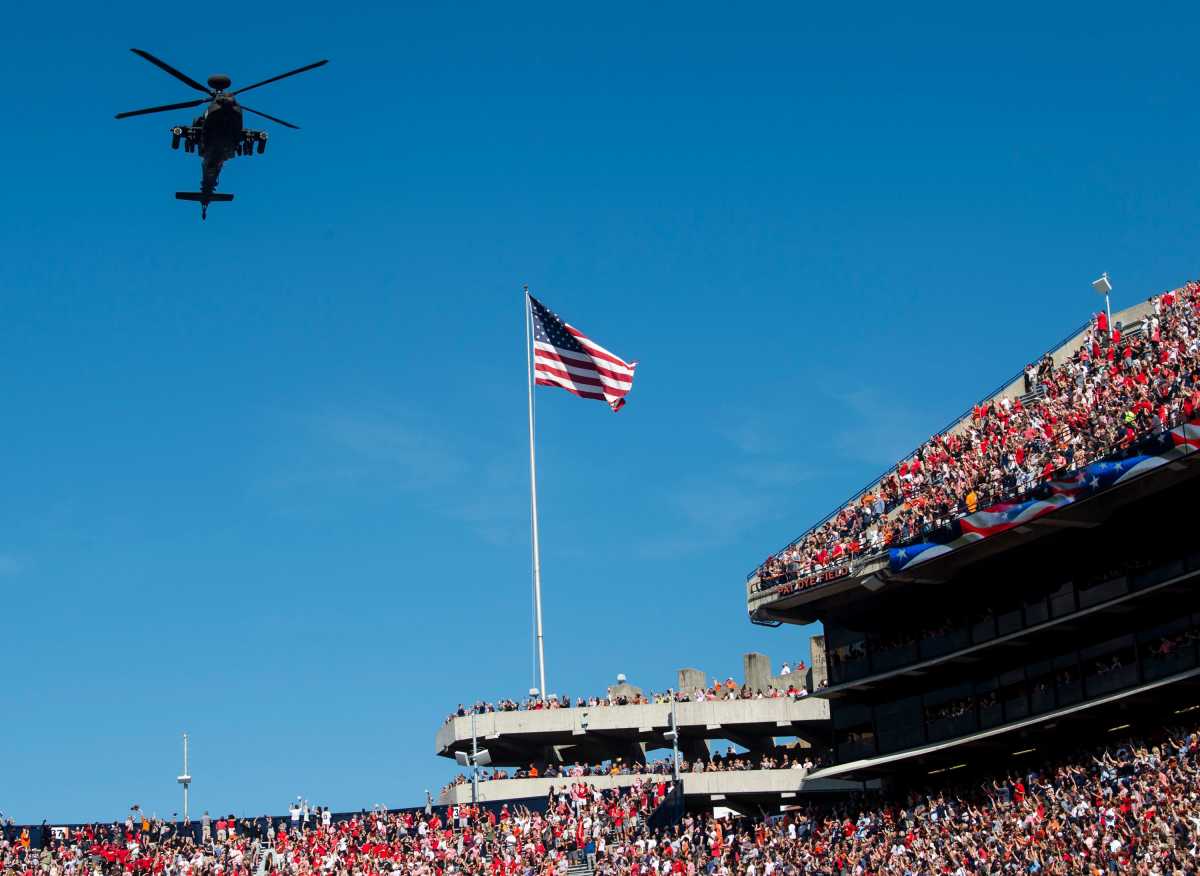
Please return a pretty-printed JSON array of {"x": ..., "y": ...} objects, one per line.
[
  {"x": 594, "y": 735},
  {"x": 747, "y": 791},
  {"x": 591, "y": 735},
  {"x": 625, "y": 734}
]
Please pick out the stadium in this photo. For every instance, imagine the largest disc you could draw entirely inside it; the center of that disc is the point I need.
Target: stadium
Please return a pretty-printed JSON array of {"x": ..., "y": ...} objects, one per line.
[
  {"x": 1007, "y": 679},
  {"x": 1025, "y": 580},
  {"x": 839, "y": 523}
]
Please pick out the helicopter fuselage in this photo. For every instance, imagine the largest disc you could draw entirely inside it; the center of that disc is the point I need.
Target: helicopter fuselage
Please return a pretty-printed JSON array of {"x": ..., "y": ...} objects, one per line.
[
  {"x": 217, "y": 135},
  {"x": 220, "y": 138}
]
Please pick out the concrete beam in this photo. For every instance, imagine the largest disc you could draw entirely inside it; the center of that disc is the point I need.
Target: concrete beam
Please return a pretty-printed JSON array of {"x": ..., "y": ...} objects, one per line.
[
  {"x": 520, "y": 738},
  {"x": 757, "y": 784},
  {"x": 756, "y": 744}
]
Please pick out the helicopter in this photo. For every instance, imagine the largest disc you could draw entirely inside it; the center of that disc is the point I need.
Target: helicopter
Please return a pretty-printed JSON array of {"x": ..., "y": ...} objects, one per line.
[{"x": 216, "y": 134}]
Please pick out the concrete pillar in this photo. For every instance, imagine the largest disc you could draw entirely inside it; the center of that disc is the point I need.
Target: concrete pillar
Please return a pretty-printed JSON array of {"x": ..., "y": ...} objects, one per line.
[
  {"x": 625, "y": 690},
  {"x": 634, "y": 752},
  {"x": 818, "y": 671},
  {"x": 694, "y": 749},
  {"x": 757, "y": 671},
  {"x": 690, "y": 679}
]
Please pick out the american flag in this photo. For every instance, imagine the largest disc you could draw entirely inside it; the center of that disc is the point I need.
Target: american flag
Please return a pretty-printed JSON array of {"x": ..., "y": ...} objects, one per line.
[{"x": 564, "y": 356}]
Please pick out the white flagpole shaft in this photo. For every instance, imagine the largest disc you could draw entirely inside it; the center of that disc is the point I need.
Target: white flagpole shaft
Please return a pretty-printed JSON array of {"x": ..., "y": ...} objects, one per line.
[{"x": 537, "y": 554}]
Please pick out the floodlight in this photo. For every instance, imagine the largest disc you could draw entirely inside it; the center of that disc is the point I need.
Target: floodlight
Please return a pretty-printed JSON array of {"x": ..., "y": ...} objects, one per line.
[
  {"x": 482, "y": 758},
  {"x": 1102, "y": 286},
  {"x": 620, "y": 678}
]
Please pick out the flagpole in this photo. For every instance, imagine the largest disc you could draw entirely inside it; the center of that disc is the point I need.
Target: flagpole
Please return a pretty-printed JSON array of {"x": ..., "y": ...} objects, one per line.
[{"x": 533, "y": 513}]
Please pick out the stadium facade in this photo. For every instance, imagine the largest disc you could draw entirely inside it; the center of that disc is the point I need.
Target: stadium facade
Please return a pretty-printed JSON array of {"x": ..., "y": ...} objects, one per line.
[{"x": 1067, "y": 613}]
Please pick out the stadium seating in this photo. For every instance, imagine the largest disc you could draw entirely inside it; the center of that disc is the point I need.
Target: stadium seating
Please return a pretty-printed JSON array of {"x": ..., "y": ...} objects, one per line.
[
  {"x": 1130, "y": 807},
  {"x": 1117, "y": 386}
]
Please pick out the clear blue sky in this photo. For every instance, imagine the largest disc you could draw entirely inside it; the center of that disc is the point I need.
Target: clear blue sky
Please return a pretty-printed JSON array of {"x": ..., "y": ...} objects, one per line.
[{"x": 265, "y": 477}]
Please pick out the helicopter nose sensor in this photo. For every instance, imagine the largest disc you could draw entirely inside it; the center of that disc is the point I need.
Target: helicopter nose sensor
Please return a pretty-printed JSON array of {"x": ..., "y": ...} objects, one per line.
[{"x": 219, "y": 81}]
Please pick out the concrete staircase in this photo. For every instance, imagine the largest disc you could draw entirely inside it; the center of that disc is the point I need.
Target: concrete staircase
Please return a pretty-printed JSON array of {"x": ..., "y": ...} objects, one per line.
[
  {"x": 266, "y": 859},
  {"x": 585, "y": 868}
]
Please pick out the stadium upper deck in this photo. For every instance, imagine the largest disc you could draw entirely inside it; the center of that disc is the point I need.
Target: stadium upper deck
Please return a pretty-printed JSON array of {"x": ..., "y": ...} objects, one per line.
[
  {"x": 590, "y": 734},
  {"x": 1112, "y": 407}
]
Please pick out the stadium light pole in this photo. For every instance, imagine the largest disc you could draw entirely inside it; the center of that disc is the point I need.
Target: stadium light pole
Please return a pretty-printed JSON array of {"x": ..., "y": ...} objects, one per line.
[
  {"x": 1103, "y": 286},
  {"x": 185, "y": 779},
  {"x": 474, "y": 762},
  {"x": 674, "y": 734},
  {"x": 477, "y": 758}
]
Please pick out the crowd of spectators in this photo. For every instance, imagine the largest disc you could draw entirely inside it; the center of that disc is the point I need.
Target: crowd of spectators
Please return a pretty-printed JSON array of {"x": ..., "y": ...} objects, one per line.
[
  {"x": 959, "y": 707},
  {"x": 1133, "y": 807},
  {"x": 800, "y": 759},
  {"x": 1168, "y": 645},
  {"x": 717, "y": 691},
  {"x": 1117, "y": 386}
]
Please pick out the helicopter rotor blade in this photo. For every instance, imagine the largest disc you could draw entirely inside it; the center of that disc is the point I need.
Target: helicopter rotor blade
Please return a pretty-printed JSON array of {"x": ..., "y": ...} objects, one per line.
[
  {"x": 164, "y": 66},
  {"x": 162, "y": 109},
  {"x": 272, "y": 118},
  {"x": 282, "y": 76}
]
